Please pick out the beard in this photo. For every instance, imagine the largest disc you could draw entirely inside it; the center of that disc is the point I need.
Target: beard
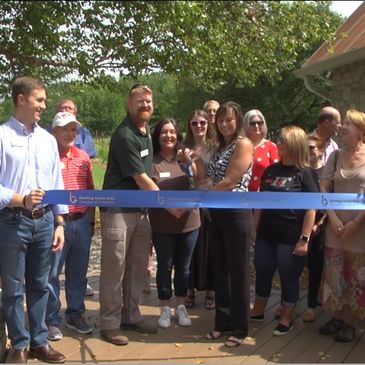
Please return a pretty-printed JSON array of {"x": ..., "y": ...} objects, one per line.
[{"x": 144, "y": 115}]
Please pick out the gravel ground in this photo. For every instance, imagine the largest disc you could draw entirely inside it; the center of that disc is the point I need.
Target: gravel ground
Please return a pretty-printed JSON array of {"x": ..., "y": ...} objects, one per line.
[
  {"x": 95, "y": 254},
  {"x": 94, "y": 263}
]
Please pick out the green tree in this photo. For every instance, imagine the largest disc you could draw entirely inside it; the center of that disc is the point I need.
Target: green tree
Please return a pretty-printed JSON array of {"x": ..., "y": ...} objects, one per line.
[{"x": 206, "y": 40}]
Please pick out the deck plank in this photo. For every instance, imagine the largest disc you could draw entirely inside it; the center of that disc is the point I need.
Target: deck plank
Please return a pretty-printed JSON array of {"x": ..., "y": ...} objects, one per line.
[{"x": 177, "y": 345}]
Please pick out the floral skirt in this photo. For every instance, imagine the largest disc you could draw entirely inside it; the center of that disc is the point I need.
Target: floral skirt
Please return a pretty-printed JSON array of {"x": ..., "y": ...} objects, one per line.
[{"x": 344, "y": 281}]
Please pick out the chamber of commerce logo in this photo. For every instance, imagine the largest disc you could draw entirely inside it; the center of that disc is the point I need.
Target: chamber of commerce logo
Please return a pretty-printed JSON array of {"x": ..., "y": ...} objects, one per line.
[
  {"x": 160, "y": 199},
  {"x": 73, "y": 199},
  {"x": 324, "y": 201}
]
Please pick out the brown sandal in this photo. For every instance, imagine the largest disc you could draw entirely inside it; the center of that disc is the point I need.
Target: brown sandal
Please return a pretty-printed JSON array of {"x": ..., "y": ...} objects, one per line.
[{"x": 209, "y": 302}]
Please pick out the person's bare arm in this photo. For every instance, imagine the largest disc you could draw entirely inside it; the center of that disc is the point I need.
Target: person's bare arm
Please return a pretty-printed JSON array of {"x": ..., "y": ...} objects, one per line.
[
  {"x": 144, "y": 182},
  {"x": 27, "y": 201},
  {"x": 238, "y": 165}
]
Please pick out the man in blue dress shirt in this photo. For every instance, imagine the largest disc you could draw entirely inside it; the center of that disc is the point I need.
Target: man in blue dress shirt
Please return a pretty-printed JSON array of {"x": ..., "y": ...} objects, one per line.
[{"x": 30, "y": 230}]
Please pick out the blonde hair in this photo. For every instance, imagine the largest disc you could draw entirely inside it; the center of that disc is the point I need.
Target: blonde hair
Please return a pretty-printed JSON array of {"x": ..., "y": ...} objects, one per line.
[
  {"x": 297, "y": 144},
  {"x": 358, "y": 119}
]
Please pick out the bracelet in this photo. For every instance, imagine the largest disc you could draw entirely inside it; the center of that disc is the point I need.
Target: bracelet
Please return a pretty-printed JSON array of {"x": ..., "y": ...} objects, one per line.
[
  {"x": 92, "y": 223},
  {"x": 24, "y": 201}
]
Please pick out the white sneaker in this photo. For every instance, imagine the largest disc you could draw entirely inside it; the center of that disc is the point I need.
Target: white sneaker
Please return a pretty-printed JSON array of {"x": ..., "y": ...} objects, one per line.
[
  {"x": 182, "y": 316},
  {"x": 165, "y": 317}
]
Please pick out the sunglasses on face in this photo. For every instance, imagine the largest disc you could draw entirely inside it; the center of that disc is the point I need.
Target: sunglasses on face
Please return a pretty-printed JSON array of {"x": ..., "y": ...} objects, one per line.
[
  {"x": 260, "y": 123},
  {"x": 281, "y": 140},
  {"x": 195, "y": 123},
  {"x": 139, "y": 85}
]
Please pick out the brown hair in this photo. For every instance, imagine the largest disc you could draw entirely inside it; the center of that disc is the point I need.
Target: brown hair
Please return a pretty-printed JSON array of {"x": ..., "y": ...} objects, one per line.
[
  {"x": 319, "y": 141},
  {"x": 24, "y": 86},
  {"x": 210, "y": 136},
  {"x": 221, "y": 112}
]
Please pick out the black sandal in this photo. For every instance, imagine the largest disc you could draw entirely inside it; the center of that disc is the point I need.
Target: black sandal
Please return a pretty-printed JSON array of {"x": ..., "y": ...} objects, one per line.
[
  {"x": 234, "y": 341},
  {"x": 331, "y": 327},
  {"x": 345, "y": 334}
]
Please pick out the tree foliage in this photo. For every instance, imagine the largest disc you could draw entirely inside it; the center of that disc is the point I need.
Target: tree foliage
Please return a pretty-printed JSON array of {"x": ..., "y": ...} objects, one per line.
[{"x": 210, "y": 41}]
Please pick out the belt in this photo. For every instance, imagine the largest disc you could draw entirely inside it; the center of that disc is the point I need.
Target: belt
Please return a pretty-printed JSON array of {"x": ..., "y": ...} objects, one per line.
[
  {"x": 73, "y": 216},
  {"x": 35, "y": 213}
]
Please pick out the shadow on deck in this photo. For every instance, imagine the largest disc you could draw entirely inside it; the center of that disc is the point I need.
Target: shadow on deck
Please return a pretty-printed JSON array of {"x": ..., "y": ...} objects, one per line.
[{"x": 188, "y": 345}]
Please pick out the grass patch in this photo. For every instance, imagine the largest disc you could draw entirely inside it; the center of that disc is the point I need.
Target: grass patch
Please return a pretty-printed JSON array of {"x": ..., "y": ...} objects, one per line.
[
  {"x": 98, "y": 173},
  {"x": 102, "y": 148}
]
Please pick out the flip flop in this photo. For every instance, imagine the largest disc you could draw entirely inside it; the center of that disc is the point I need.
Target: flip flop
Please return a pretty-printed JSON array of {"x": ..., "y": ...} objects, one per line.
[
  {"x": 190, "y": 301},
  {"x": 234, "y": 341},
  {"x": 213, "y": 335},
  {"x": 209, "y": 302}
]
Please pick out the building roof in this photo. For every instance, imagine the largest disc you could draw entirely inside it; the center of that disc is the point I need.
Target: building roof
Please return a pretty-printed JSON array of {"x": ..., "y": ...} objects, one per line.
[{"x": 348, "y": 47}]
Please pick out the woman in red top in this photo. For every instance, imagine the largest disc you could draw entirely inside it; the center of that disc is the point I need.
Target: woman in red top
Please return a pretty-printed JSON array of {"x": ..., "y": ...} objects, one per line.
[{"x": 265, "y": 152}]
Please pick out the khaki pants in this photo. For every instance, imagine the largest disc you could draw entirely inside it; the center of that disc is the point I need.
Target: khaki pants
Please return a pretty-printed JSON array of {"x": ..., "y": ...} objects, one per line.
[{"x": 125, "y": 248}]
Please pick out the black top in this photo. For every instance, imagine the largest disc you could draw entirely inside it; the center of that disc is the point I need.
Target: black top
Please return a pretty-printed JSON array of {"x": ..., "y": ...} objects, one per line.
[
  {"x": 285, "y": 225},
  {"x": 130, "y": 153}
]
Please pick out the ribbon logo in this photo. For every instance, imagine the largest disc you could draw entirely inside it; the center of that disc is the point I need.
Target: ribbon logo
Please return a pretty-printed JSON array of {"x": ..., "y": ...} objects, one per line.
[{"x": 73, "y": 199}]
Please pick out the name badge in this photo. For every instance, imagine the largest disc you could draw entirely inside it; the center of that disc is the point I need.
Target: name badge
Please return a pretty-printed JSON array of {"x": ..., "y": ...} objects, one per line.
[
  {"x": 144, "y": 153},
  {"x": 17, "y": 142},
  {"x": 165, "y": 174}
]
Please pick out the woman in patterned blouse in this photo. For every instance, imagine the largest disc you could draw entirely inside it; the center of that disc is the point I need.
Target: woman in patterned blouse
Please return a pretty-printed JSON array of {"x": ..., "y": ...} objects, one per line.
[{"x": 230, "y": 229}]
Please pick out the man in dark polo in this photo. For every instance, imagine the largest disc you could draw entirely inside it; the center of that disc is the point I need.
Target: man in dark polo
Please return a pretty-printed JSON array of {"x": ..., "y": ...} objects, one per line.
[{"x": 126, "y": 232}]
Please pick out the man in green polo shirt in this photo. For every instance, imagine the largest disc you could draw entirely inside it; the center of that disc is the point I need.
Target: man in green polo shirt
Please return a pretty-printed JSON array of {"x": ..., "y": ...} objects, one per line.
[{"x": 126, "y": 232}]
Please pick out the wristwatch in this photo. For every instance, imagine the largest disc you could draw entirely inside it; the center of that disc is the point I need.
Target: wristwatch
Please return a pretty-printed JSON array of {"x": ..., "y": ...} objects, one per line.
[
  {"x": 63, "y": 224},
  {"x": 304, "y": 238}
]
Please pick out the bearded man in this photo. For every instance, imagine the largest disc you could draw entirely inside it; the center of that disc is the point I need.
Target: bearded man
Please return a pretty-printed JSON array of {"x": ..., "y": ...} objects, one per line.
[{"x": 126, "y": 232}]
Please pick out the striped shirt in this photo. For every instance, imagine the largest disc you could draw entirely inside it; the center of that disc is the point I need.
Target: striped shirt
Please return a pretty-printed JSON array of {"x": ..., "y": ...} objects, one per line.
[{"x": 77, "y": 174}]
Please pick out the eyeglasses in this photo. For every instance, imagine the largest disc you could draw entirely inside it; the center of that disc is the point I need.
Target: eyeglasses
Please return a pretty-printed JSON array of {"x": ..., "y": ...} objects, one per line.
[
  {"x": 260, "y": 123},
  {"x": 195, "y": 123},
  {"x": 139, "y": 85},
  {"x": 281, "y": 140},
  {"x": 311, "y": 147}
]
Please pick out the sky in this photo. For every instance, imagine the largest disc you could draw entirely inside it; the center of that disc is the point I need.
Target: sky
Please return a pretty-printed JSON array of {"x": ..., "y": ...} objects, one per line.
[{"x": 345, "y": 8}]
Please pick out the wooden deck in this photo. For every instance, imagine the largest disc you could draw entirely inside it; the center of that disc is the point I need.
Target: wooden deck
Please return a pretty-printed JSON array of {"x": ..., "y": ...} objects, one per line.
[{"x": 187, "y": 345}]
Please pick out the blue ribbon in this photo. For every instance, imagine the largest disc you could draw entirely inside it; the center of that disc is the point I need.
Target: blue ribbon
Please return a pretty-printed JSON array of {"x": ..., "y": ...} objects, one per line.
[{"x": 205, "y": 199}]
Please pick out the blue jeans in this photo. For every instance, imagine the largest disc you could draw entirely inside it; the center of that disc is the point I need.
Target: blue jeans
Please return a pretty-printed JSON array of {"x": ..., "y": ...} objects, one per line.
[
  {"x": 272, "y": 255},
  {"x": 25, "y": 256},
  {"x": 173, "y": 251},
  {"x": 75, "y": 256}
]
